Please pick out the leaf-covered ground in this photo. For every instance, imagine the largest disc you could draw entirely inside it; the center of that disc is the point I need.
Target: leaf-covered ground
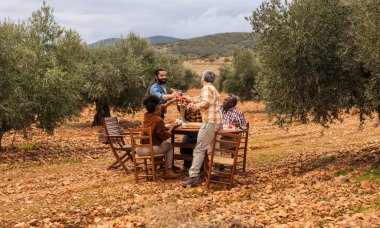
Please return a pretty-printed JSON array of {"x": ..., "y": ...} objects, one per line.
[{"x": 302, "y": 176}]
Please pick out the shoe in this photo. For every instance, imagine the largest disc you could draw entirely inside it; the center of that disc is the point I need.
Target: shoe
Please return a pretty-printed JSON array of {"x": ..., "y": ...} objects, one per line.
[
  {"x": 172, "y": 174},
  {"x": 192, "y": 181}
]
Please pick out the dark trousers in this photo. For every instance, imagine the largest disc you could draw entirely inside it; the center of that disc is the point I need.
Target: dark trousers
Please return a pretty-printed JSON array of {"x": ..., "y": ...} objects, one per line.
[{"x": 188, "y": 139}]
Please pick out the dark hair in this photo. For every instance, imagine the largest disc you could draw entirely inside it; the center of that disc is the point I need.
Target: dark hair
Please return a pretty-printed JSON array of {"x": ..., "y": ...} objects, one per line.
[
  {"x": 208, "y": 76},
  {"x": 150, "y": 102},
  {"x": 157, "y": 71},
  {"x": 233, "y": 99}
]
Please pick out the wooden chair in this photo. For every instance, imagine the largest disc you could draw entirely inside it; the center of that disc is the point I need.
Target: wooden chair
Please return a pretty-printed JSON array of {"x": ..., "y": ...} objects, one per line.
[
  {"x": 242, "y": 155},
  {"x": 150, "y": 166},
  {"x": 227, "y": 159},
  {"x": 116, "y": 139}
]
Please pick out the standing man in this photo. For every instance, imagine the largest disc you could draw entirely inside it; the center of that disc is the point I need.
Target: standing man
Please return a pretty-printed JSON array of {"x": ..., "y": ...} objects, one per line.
[
  {"x": 158, "y": 89},
  {"x": 209, "y": 105}
]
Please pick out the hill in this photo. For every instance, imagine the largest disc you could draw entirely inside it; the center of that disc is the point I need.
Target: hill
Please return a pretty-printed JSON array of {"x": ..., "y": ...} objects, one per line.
[
  {"x": 152, "y": 40},
  {"x": 209, "y": 46}
]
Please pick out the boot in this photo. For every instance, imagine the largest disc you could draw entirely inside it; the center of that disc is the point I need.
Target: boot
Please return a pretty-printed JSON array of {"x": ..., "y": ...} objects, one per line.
[{"x": 172, "y": 174}]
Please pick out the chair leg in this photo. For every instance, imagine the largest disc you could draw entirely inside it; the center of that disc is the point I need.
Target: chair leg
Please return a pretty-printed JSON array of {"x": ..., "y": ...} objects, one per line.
[
  {"x": 121, "y": 162},
  {"x": 146, "y": 169},
  {"x": 166, "y": 166},
  {"x": 116, "y": 163},
  {"x": 244, "y": 159},
  {"x": 135, "y": 169},
  {"x": 153, "y": 170},
  {"x": 208, "y": 169},
  {"x": 233, "y": 170}
]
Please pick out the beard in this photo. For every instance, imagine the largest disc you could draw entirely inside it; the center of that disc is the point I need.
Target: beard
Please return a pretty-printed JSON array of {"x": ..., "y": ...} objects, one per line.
[{"x": 161, "y": 81}]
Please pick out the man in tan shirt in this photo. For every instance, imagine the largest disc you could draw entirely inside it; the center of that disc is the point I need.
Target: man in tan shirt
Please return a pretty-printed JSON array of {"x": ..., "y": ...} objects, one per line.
[{"x": 209, "y": 104}]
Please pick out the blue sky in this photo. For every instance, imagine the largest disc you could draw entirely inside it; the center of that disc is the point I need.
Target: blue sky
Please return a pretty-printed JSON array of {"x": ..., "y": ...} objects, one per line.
[{"x": 99, "y": 19}]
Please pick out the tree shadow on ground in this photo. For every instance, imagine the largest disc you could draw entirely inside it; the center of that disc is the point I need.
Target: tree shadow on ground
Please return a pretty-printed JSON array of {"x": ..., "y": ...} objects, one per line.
[{"x": 364, "y": 156}]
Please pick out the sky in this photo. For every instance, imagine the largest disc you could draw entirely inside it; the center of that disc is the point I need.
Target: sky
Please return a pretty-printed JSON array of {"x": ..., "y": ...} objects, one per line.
[{"x": 101, "y": 19}]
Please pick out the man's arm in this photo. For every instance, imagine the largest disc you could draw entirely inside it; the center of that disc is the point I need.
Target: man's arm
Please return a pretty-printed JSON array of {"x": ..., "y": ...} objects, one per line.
[
  {"x": 154, "y": 90},
  {"x": 168, "y": 103},
  {"x": 205, "y": 99},
  {"x": 242, "y": 122}
]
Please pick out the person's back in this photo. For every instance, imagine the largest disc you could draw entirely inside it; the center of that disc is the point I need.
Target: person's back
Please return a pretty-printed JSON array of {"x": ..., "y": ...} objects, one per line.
[{"x": 153, "y": 120}]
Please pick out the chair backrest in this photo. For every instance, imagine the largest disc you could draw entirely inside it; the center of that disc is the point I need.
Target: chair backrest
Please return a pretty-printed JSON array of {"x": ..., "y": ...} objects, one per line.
[
  {"x": 142, "y": 138},
  {"x": 220, "y": 145},
  {"x": 244, "y": 136},
  {"x": 111, "y": 126}
]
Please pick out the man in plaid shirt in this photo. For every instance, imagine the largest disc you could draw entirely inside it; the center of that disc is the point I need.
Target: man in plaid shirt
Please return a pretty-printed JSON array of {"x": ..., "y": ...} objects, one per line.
[
  {"x": 209, "y": 104},
  {"x": 231, "y": 115}
]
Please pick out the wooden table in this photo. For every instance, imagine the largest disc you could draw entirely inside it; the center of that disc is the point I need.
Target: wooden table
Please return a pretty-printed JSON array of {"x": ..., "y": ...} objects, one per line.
[{"x": 190, "y": 132}]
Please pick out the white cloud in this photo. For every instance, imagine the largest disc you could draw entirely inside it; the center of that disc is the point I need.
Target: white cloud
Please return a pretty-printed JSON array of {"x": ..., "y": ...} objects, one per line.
[{"x": 98, "y": 19}]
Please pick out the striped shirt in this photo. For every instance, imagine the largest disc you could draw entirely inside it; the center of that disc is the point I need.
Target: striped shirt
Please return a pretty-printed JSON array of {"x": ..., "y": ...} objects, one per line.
[
  {"x": 234, "y": 117},
  {"x": 209, "y": 104}
]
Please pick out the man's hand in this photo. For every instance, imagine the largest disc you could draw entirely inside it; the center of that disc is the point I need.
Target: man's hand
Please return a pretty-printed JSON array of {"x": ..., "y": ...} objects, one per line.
[{"x": 174, "y": 126}]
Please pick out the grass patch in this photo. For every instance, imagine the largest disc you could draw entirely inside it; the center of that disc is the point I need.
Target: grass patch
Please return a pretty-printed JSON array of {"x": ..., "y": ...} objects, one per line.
[
  {"x": 26, "y": 146},
  {"x": 343, "y": 172},
  {"x": 361, "y": 209},
  {"x": 372, "y": 175},
  {"x": 321, "y": 162},
  {"x": 377, "y": 203},
  {"x": 338, "y": 213},
  {"x": 77, "y": 125}
]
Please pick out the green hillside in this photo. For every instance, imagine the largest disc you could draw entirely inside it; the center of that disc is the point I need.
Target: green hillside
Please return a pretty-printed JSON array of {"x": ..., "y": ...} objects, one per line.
[
  {"x": 151, "y": 39},
  {"x": 209, "y": 46}
]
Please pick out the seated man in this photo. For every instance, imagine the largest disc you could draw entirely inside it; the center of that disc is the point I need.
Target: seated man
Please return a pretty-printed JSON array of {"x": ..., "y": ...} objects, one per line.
[
  {"x": 190, "y": 116},
  {"x": 152, "y": 119},
  {"x": 231, "y": 115}
]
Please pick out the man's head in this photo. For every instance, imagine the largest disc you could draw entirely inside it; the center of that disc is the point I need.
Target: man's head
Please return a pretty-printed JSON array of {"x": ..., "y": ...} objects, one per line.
[
  {"x": 230, "y": 101},
  {"x": 208, "y": 76},
  {"x": 151, "y": 103},
  {"x": 160, "y": 76}
]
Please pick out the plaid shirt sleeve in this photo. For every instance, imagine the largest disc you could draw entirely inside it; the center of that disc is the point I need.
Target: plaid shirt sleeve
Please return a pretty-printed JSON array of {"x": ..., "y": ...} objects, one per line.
[
  {"x": 242, "y": 122},
  {"x": 205, "y": 99}
]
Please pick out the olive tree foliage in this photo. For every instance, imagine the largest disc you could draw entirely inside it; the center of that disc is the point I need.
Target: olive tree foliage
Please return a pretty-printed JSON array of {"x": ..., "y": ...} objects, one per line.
[
  {"x": 241, "y": 78},
  {"x": 117, "y": 76},
  {"x": 178, "y": 76},
  {"x": 300, "y": 48},
  {"x": 364, "y": 46},
  {"x": 39, "y": 82}
]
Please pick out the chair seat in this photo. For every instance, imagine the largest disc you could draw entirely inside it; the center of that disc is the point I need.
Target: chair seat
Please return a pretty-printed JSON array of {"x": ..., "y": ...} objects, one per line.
[
  {"x": 127, "y": 146},
  {"x": 148, "y": 156},
  {"x": 222, "y": 160}
]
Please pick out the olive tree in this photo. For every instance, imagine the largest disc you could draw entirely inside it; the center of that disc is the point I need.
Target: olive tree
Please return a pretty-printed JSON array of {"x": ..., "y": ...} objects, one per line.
[
  {"x": 117, "y": 76},
  {"x": 364, "y": 47},
  {"x": 300, "y": 51},
  {"x": 39, "y": 82},
  {"x": 240, "y": 79}
]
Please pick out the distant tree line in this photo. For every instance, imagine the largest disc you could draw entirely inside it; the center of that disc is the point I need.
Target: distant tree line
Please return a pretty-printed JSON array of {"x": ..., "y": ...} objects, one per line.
[
  {"x": 314, "y": 59},
  {"x": 48, "y": 74}
]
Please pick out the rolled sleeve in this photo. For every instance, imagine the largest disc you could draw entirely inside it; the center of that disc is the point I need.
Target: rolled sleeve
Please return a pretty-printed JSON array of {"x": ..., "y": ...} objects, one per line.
[
  {"x": 242, "y": 122},
  {"x": 154, "y": 90}
]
